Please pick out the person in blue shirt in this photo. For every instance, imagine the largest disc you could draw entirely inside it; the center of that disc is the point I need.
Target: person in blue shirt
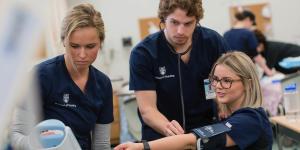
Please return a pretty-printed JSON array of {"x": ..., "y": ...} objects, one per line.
[
  {"x": 238, "y": 93},
  {"x": 241, "y": 38},
  {"x": 71, "y": 89},
  {"x": 167, "y": 70}
]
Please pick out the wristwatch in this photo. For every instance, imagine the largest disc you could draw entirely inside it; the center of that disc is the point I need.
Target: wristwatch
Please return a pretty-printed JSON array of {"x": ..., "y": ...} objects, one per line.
[
  {"x": 199, "y": 144},
  {"x": 146, "y": 145}
]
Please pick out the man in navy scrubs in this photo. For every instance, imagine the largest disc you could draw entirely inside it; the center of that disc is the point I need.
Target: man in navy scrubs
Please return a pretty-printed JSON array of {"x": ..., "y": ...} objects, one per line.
[{"x": 167, "y": 70}]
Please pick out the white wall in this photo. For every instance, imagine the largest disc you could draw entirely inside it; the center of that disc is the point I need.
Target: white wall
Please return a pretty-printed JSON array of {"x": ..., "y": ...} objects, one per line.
[
  {"x": 121, "y": 20},
  {"x": 286, "y": 20}
]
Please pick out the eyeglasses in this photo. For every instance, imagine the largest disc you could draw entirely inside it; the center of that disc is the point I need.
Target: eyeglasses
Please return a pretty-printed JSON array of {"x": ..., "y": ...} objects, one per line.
[{"x": 224, "y": 82}]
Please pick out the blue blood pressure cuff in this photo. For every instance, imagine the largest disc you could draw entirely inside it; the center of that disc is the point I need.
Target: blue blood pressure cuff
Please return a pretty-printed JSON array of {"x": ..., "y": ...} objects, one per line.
[{"x": 212, "y": 136}]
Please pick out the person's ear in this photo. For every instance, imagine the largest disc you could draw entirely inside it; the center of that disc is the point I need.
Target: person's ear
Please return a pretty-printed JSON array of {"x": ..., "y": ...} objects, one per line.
[
  {"x": 161, "y": 24},
  {"x": 64, "y": 42}
]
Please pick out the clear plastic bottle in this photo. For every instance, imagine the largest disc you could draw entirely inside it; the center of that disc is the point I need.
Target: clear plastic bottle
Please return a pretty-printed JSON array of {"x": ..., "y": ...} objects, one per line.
[{"x": 291, "y": 100}]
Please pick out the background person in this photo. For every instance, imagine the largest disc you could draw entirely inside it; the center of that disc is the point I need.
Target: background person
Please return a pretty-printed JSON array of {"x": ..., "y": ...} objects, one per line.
[
  {"x": 275, "y": 52},
  {"x": 241, "y": 38}
]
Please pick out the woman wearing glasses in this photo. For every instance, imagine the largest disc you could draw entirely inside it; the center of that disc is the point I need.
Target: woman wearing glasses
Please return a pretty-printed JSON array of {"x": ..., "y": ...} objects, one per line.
[{"x": 238, "y": 93}]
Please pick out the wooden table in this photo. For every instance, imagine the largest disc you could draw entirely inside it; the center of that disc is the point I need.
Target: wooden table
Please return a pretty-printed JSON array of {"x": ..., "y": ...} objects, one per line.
[
  {"x": 287, "y": 127},
  {"x": 115, "y": 126}
]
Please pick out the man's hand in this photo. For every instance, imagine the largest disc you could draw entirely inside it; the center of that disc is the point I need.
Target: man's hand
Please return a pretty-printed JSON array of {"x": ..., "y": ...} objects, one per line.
[{"x": 173, "y": 128}]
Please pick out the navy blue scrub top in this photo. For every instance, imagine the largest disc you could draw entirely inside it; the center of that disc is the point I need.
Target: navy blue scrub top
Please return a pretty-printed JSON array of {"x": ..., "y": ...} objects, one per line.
[
  {"x": 154, "y": 67},
  {"x": 63, "y": 100},
  {"x": 242, "y": 40},
  {"x": 250, "y": 129}
]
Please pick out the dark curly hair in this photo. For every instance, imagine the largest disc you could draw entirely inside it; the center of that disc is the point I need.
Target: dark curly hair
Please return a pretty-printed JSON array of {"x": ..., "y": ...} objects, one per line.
[{"x": 192, "y": 7}]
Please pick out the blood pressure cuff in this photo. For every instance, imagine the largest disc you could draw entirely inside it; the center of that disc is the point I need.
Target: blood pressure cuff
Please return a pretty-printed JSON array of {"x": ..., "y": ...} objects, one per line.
[
  {"x": 217, "y": 142},
  {"x": 212, "y": 136}
]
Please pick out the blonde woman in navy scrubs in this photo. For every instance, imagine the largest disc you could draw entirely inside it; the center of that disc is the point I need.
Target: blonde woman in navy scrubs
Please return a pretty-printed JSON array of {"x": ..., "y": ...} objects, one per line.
[
  {"x": 234, "y": 79},
  {"x": 72, "y": 90}
]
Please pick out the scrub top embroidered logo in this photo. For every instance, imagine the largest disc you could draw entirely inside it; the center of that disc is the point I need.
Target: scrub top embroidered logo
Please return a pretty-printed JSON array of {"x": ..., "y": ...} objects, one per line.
[
  {"x": 163, "y": 73},
  {"x": 162, "y": 70},
  {"x": 66, "y": 98}
]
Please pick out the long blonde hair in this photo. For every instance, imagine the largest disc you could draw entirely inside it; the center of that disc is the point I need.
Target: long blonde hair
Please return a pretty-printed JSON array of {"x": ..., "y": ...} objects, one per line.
[{"x": 243, "y": 67}]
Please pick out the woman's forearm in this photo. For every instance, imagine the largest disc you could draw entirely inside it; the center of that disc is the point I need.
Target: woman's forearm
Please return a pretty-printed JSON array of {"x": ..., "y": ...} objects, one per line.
[{"x": 180, "y": 142}]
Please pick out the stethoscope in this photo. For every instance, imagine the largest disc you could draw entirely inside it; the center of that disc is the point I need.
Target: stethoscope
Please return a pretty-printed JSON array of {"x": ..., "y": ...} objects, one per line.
[
  {"x": 180, "y": 78},
  {"x": 179, "y": 73}
]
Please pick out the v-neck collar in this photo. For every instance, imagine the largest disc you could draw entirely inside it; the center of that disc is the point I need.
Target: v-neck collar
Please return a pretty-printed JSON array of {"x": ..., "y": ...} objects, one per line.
[
  {"x": 169, "y": 51},
  {"x": 86, "y": 88}
]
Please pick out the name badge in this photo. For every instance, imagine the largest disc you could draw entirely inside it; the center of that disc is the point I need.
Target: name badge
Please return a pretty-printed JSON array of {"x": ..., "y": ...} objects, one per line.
[{"x": 209, "y": 92}]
